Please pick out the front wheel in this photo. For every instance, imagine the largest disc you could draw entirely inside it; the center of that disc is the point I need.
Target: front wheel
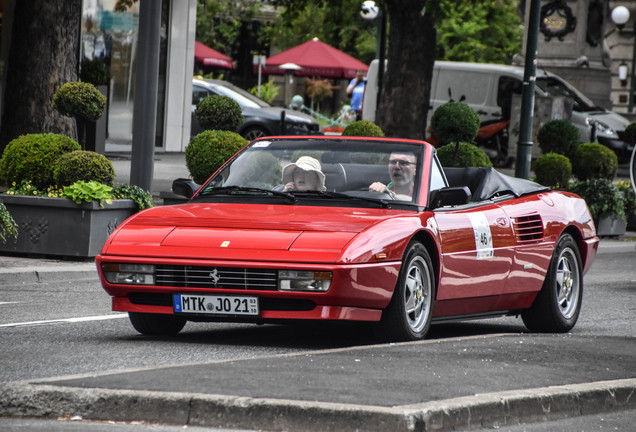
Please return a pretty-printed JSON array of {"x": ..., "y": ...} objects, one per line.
[
  {"x": 254, "y": 132},
  {"x": 556, "y": 308},
  {"x": 409, "y": 314},
  {"x": 156, "y": 324}
]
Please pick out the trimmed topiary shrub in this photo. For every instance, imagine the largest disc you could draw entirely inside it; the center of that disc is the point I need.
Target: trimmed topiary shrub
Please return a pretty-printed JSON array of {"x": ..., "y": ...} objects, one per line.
[
  {"x": 217, "y": 112},
  {"x": 464, "y": 155},
  {"x": 553, "y": 170},
  {"x": 558, "y": 136},
  {"x": 602, "y": 198},
  {"x": 629, "y": 135},
  {"x": 363, "y": 128},
  {"x": 594, "y": 160},
  {"x": 94, "y": 72},
  {"x": 80, "y": 100},
  {"x": 209, "y": 150},
  {"x": 455, "y": 122},
  {"x": 83, "y": 165},
  {"x": 33, "y": 158}
]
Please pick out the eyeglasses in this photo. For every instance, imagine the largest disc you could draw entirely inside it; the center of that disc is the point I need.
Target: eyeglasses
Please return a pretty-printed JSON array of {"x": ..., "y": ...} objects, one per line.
[{"x": 401, "y": 162}]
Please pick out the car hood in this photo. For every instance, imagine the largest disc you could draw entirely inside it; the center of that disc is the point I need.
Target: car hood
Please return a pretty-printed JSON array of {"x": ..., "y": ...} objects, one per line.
[
  {"x": 274, "y": 113},
  {"x": 247, "y": 232}
]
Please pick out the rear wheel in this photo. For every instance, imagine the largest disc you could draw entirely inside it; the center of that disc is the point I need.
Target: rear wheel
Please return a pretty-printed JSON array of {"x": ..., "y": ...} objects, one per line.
[
  {"x": 156, "y": 324},
  {"x": 408, "y": 316},
  {"x": 557, "y": 306}
]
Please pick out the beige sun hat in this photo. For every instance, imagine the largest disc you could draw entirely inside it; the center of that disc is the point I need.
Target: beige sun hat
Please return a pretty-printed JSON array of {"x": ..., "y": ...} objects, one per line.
[{"x": 306, "y": 163}]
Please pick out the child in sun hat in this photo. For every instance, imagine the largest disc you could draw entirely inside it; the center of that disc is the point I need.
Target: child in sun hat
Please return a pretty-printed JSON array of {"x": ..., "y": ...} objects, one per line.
[{"x": 305, "y": 174}]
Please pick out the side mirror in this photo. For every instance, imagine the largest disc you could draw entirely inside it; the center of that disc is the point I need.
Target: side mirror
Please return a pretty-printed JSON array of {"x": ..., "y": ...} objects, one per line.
[
  {"x": 449, "y": 196},
  {"x": 185, "y": 187}
]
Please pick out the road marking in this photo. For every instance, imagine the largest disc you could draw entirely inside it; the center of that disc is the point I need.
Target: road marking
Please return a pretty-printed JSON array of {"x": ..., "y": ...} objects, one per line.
[
  {"x": 66, "y": 320},
  {"x": 4, "y": 303}
]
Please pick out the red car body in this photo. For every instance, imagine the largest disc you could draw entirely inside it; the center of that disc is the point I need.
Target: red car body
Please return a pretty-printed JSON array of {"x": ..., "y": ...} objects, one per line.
[{"x": 485, "y": 257}]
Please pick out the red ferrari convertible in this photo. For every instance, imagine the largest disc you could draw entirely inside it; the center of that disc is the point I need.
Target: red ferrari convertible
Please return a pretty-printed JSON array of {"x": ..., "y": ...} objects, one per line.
[{"x": 357, "y": 229}]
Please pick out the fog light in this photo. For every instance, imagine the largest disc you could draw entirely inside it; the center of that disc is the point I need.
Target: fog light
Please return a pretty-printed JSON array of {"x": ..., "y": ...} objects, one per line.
[
  {"x": 129, "y": 274},
  {"x": 295, "y": 280}
]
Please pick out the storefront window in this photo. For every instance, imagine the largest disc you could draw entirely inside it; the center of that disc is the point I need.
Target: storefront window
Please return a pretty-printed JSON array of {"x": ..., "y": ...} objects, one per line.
[{"x": 111, "y": 37}]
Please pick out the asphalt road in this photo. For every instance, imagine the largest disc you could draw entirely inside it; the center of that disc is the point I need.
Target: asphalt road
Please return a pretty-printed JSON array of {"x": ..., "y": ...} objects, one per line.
[{"x": 51, "y": 329}]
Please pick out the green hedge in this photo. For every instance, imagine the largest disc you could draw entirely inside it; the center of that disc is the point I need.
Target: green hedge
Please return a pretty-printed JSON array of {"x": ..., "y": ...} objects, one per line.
[{"x": 209, "y": 150}]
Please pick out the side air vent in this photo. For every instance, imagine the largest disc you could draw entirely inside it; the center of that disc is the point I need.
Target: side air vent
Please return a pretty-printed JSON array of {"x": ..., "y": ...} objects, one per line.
[{"x": 528, "y": 229}]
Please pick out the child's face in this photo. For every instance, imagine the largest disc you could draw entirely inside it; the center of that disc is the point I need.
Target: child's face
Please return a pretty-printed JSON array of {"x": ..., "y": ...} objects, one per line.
[{"x": 305, "y": 180}]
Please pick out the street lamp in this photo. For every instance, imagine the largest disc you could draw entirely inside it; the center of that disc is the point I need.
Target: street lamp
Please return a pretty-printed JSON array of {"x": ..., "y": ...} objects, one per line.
[
  {"x": 620, "y": 16},
  {"x": 370, "y": 11}
]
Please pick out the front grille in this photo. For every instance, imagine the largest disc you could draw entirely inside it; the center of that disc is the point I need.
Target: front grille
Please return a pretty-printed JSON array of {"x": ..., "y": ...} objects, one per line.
[
  {"x": 217, "y": 277},
  {"x": 528, "y": 229}
]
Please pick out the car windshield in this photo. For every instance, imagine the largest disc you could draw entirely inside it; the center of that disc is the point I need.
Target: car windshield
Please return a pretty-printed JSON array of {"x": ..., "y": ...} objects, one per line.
[
  {"x": 551, "y": 86},
  {"x": 244, "y": 99},
  {"x": 334, "y": 169}
]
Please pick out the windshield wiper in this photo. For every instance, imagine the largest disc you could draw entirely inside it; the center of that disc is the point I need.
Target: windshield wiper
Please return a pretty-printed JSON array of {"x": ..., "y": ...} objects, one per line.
[{"x": 230, "y": 189}]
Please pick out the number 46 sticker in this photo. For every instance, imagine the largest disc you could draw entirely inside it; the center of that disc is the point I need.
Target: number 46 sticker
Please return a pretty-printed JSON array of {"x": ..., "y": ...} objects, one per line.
[{"x": 483, "y": 236}]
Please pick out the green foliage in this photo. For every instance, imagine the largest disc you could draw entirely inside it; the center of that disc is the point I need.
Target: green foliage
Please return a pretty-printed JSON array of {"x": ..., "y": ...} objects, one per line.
[
  {"x": 80, "y": 100},
  {"x": 602, "y": 197},
  {"x": 554, "y": 170},
  {"x": 479, "y": 31},
  {"x": 629, "y": 135},
  {"x": 463, "y": 154},
  {"x": 82, "y": 191},
  {"x": 558, "y": 136},
  {"x": 33, "y": 157},
  {"x": 219, "y": 113},
  {"x": 594, "y": 160},
  {"x": 455, "y": 122},
  {"x": 142, "y": 198},
  {"x": 363, "y": 128},
  {"x": 225, "y": 25},
  {"x": 629, "y": 197},
  {"x": 94, "y": 72},
  {"x": 209, "y": 150},
  {"x": 337, "y": 23},
  {"x": 269, "y": 91},
  {"x": 8, "y": 227},
  {"x": 83, "y": 165}
]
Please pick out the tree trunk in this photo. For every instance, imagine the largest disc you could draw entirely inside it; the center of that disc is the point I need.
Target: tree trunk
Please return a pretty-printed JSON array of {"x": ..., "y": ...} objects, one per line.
[
  {"x": 43, "y": 56},
  {"x": 406, "y": 88}
]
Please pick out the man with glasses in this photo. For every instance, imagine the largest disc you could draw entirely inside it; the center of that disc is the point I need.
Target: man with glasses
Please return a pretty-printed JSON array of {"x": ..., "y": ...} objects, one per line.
[{"x": 402, "y": 169}]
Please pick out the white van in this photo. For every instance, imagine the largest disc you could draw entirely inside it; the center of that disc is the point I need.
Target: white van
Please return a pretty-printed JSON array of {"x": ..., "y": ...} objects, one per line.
[{"x": 489, "y": 89}]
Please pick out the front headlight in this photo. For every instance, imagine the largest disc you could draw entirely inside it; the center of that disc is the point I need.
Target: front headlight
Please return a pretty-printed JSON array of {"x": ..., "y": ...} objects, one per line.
[
  {"x": 129, "y": 274},
  {"x": 300, "y": 280},
  {"x": 601, "y": 128}
]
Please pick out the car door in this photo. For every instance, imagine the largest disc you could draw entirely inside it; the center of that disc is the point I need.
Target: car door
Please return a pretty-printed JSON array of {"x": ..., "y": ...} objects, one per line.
[{"x": 476, "y": 252}]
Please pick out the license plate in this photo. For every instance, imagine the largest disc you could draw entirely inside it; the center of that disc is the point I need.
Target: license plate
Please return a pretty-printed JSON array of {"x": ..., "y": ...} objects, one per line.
[{"x": 215, "y": 304}]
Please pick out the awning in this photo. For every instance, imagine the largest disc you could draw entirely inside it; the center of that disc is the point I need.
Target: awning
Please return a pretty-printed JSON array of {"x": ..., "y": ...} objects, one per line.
[{"x": 210, "y": 57}]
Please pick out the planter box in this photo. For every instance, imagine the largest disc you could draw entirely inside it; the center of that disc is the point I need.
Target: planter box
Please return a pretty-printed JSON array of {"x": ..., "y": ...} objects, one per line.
[
  {"x": 610, "y": 226},
  {"x": 59, "y": 227}
]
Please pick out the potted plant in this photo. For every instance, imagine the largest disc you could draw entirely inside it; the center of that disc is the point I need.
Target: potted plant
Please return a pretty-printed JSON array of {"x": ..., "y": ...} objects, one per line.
[
  {"x": 86, "y": 104},
  {"x": 60, "y": 197},
  {"x": 8, "y": 227},
  {"x": 595, "y": 166},
  {"x": 629, "y": 201}
]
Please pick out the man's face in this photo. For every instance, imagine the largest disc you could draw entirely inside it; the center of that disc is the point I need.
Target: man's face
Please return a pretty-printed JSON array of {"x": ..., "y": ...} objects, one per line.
[{"x": 402, "y": 169}]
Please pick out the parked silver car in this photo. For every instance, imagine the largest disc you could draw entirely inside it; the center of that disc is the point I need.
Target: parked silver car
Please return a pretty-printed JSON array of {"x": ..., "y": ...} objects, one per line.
[{"x": 259, "y": 117}]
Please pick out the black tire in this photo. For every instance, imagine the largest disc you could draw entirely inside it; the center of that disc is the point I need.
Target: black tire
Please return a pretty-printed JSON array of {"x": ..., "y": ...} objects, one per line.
[
  {"x": 408, "y": 316},
  {"x": 156, "y": 324},
  {"x": 557, "y": 306},
  {"x": 253, "y": 132}
]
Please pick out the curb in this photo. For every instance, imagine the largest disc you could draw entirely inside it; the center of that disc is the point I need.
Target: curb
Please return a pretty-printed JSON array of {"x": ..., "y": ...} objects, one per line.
[
  {"x": 58, "y": 273},
  {"x": 20, "y": 399}
]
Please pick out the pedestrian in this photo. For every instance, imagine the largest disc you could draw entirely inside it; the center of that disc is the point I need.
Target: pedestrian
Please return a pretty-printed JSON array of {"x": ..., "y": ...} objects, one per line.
[{"x": 355, "y": 91}]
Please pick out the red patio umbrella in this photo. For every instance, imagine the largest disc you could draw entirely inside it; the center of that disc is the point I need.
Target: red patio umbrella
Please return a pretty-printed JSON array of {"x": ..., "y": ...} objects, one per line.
[
  {"x": 316, "y": 58},
  {"x": 211, "y": 57}
]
